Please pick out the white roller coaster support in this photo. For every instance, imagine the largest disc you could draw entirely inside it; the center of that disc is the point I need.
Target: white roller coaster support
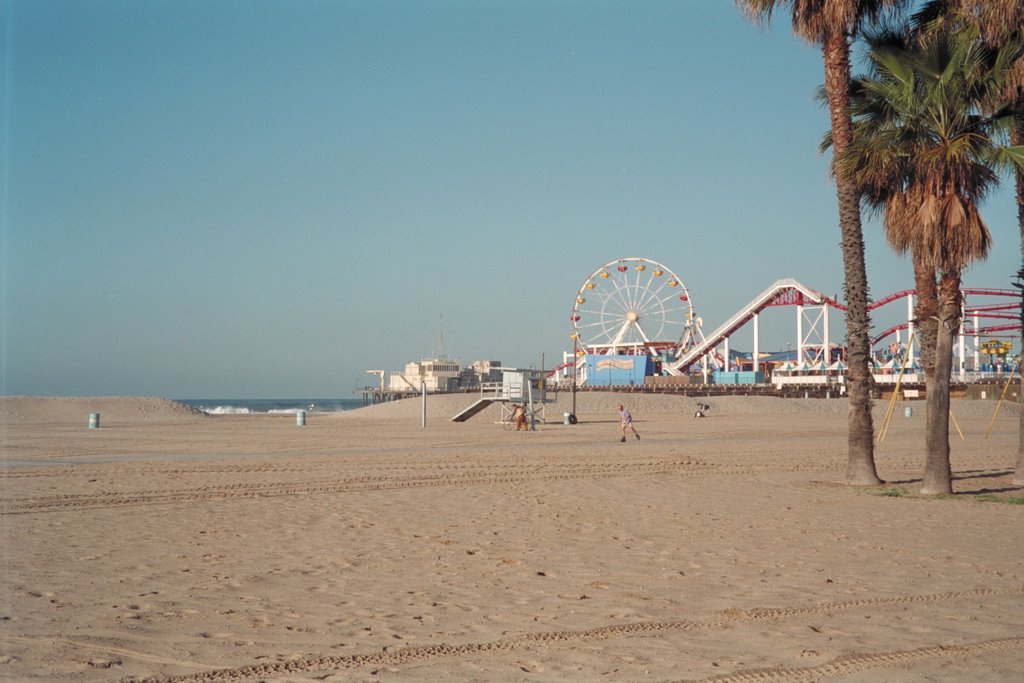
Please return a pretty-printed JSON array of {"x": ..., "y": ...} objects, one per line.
[
  {"x": 825, "y": 343},
  {"x": 814, "y": 344},
  {"x": 800, "y": 333},
  {"x": 757, "y": 342},
  {"x": 962, "y": 344},
  {"x": 977, "y": 344},
  {"x": 741, "y": 317}
]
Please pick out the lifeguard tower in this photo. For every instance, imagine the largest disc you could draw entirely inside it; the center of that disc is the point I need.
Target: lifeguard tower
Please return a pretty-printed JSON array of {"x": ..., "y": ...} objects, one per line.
[{"x": 517, "y": 385}]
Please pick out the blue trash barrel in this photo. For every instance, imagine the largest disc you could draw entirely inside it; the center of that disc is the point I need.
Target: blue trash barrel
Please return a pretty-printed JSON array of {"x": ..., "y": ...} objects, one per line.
[
  {"x": 94, "y": 420},
  {"x": 300, "y": 418}
]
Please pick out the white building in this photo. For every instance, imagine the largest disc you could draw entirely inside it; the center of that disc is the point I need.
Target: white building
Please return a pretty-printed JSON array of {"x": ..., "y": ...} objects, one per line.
[
  {"x": 437, "y": 374},
  {"x": 481, "y": 372}
]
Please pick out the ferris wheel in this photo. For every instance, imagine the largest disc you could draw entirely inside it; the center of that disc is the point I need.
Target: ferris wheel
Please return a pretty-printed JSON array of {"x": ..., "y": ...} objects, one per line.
[{"x": 633, "y": 306}]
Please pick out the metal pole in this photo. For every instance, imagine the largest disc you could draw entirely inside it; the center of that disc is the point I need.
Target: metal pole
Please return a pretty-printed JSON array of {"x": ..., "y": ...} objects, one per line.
[
  {"x": 543, "y": 386},
  {"x": 575, "y": 367},
  {"x": 529, "y": 395},
  {"x": 423, "y": 388}
]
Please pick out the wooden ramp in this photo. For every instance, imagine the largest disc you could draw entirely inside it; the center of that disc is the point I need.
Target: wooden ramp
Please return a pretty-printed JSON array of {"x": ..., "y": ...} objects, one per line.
[{"x": 476, "y": 408}]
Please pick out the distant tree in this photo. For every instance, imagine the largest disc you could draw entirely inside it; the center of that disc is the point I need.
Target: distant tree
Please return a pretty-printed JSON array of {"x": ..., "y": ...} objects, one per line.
[
  {"x": 927, "y": 142},
  {"x": 832, "y": 24}
]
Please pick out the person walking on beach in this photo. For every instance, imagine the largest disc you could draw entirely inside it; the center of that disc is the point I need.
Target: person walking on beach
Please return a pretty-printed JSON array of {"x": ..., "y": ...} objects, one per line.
[{"x": 626, "y": 420}]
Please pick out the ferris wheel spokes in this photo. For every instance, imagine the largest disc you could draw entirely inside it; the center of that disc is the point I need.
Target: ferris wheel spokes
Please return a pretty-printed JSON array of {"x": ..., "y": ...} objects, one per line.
[
  {"x": 617, "y": 341},
  {"x": 637, "y": 306}
]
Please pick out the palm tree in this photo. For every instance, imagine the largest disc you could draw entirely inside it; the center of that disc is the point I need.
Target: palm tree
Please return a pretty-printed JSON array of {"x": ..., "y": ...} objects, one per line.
[
  {"x": 831, "y": 24},
  {"x": 998, "y": 22},
  {"x": 924, "y": 151}
]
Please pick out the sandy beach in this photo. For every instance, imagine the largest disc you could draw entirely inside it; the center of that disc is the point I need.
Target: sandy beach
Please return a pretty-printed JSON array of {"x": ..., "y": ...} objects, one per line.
[{"x": 175, "y": 546}]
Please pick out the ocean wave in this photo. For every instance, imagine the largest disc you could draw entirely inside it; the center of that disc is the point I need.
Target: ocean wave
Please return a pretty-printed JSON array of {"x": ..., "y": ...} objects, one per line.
[
  {"x": 225, "y": 410},
  {"x": 240, "y": 410}
]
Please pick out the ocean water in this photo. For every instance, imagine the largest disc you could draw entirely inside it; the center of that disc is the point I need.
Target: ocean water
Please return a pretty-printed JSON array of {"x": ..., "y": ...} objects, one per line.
[{"x": 245, "y": 406}]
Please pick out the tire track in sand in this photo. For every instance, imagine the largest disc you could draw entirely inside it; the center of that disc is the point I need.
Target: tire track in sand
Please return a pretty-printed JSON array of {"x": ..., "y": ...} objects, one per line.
[
  {"x": 849, "y": 664},
  {"x": 726, "y": 618},
  {"x": 63, "y": 502},
  {"x": 431, "y": 475}
]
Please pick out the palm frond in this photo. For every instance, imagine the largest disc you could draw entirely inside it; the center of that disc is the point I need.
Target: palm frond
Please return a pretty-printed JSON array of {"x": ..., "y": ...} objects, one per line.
[{"x": 926, "y": 149}]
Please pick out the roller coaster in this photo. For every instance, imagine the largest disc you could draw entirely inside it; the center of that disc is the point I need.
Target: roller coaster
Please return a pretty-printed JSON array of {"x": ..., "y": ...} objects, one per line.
[
  {"x": 636, "y": 306},
  {"x": 792, "y": 293}
]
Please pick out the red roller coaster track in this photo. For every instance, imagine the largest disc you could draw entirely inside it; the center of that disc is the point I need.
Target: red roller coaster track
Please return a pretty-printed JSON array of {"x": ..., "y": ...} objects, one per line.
[{"x": 993, "y": 311}]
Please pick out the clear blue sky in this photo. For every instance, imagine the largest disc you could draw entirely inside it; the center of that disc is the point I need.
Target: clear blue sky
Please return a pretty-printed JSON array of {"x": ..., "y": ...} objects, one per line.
[{"x": 266, "y": 198}]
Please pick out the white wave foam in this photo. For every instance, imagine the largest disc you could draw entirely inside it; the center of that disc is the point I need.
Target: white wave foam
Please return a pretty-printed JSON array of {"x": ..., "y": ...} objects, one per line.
[{"x": 227, "y": 410}]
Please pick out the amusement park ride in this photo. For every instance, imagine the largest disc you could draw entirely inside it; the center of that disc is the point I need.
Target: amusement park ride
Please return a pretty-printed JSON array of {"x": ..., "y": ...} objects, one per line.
[
  {"x": 633, "y": 306},
  {"x": 638, "y": 309}
]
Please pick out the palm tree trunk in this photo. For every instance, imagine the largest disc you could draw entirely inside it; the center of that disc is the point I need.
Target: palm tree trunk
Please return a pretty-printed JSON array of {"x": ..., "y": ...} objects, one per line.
[
  {"x": 926, "y": 321},
  {"x": 938, "y": 475},
  {"x": 926, "y": 317},
  {"x": 860, "y": 463}
]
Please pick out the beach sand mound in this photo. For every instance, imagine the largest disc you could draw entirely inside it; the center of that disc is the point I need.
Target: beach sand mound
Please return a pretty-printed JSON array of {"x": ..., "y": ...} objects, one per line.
[{"x": 59, "y": 409}]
